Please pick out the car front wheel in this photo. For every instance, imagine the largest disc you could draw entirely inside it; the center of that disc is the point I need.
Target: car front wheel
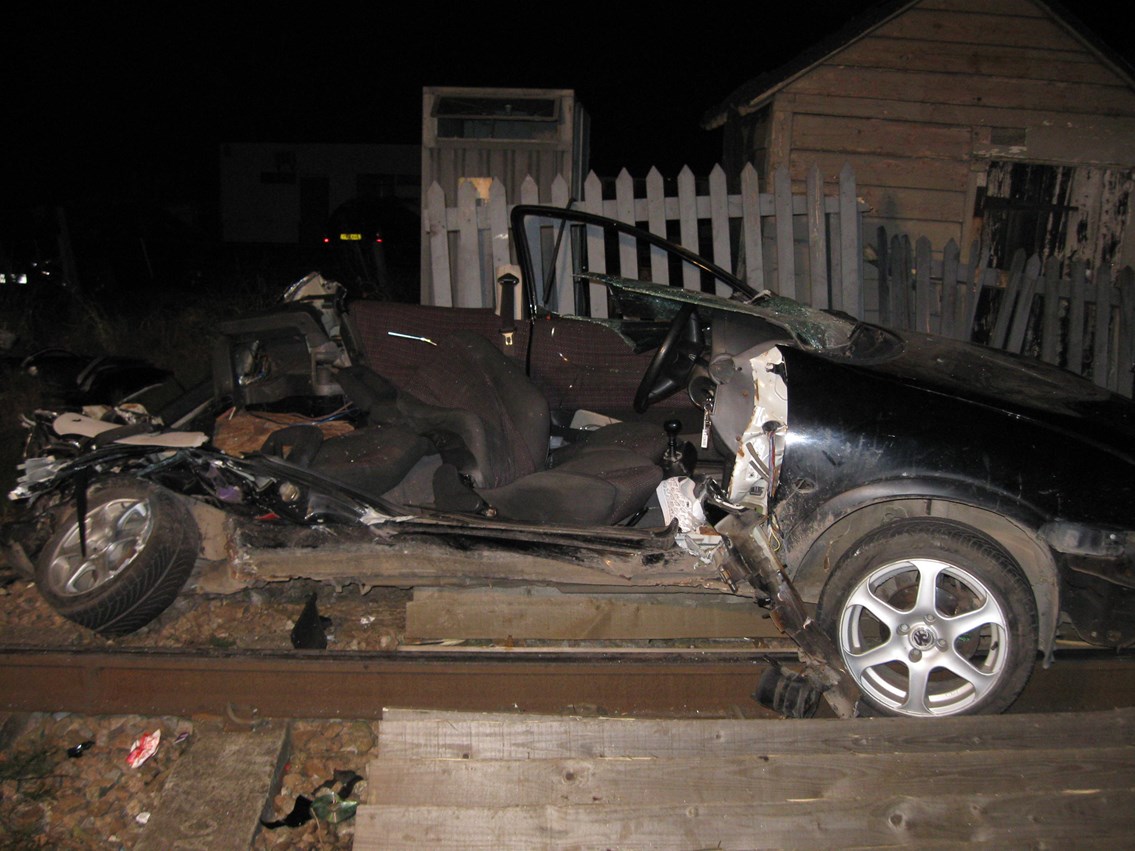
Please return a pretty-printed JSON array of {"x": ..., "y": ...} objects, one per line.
[
  {"x": 138, "y": 546},
  {"x": 932, "y": 618}
]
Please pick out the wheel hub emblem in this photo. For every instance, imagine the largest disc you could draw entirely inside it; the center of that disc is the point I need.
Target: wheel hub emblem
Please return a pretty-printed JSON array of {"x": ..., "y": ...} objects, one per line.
[{"x": 922, "y": 637}]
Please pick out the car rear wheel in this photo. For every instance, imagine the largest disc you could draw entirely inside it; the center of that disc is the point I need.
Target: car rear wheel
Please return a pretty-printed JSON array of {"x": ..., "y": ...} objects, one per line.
[
  {"x": 931, "y": 619},
  {"x": 138, "y": 548}
]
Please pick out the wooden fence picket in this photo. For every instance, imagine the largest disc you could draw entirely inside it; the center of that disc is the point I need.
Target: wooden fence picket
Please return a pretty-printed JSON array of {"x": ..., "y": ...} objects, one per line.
[
  {"x": 752, "y": 240},
  {"x": 850, "y": 242},
  {"x": 1085, "y": 324},
  {"x": 785, "y": 251},
  {"x": 817, "y": 238},
  {"x": 469, "y": 242}
]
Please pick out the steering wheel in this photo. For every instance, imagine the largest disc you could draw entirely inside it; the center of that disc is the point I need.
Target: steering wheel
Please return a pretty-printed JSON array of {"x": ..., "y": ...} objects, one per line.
[{"x": 672, "y": 363}]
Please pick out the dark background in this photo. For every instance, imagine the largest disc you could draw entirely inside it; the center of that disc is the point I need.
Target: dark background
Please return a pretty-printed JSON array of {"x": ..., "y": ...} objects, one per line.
[
  {"x": 129, "y": 102},
  {"x": 136, "y": 99}
]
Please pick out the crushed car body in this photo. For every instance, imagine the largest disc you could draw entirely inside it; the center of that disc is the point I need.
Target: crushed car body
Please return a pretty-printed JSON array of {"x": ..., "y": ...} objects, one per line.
[{"x": 921, "y": 516}]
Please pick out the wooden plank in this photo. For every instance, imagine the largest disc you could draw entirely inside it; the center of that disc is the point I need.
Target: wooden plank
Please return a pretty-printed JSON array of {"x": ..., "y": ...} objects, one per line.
[
  {"x": 498, "y": 229},
  {"x": 624, "y": 204},
  {"x": 1126, "y": 357},
  {"x": 751, "y": 242},
  {"x": 1014, "y": 819},
  {"x": 977, "y": 60},
  {"x": 469, "y": 283},
  {"x": 980, "y": 28},
  {"x": 973, "y": 291},
  {"x": 1102, "y": 320},
  {"x": 552, "y": 737},
  {"x": 562, "y": 245},
  {"x": 923, "y": 288},
  {"x": 868, "y": 104},
  {"x": 881, "y": 171},
  {"x": 215, "y": 793},
  {"x": 1076, "y": 316},
  {"x": 925, "y": 205},
  {"x": 835, "y": 268},
  {"x": 901, "y": 312},
  {"x": 596, "y": 248},
  {"x": 688, "y": 225},
  {"x": 897, "y": 139},
  {"x": 950, "y": 322},
  {"x": 1050, "y": 332},
  {"x": 817, "y": 241},
  {"x": 656, "y": 224},
  {"x": 1009, "y": 295},
  {"x": 440, "y": 291},
  {"x": 883, "y": 259},
  {"x": 949, "y": 90},
  {"x": 719, "y": 220},
  {"x": 546, "y": 613},
  {"x": 744, "y": 777},
  {"x": 530, "y": 194},
  {"x": 1023, "y": 310},
  {"x": 785, "y": 254}
]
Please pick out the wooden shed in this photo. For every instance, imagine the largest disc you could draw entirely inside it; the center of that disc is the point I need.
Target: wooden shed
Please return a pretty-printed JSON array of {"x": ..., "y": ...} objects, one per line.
[{"x": 1006, "y": 121}]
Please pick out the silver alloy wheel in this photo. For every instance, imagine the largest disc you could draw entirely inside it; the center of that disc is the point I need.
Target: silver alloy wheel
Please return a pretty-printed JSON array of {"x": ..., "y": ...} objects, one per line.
[
  {"x": 116, "y": 532},
  {"x": 924, "y": 637}
]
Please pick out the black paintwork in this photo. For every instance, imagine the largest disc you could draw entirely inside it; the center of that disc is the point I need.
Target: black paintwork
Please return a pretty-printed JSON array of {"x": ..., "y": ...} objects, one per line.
[{"x": 958, "y": 422}]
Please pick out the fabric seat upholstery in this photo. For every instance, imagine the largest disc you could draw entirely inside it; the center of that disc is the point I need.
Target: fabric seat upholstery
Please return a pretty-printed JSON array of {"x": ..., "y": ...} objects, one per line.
[{"x": 490, "y": 425}]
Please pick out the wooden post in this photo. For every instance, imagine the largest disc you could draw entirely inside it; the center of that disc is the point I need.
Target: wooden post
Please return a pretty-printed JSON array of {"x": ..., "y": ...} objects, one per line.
[
  {"x": 923, "y": 288},
  {"x": 440, "y": 291},
  {"x": 817, "y": 239},
  {"x": 851, "y": 253},
  {"x": 751, "y": 228},
  {"x": 785, "y": 250},
  {"x": 950, "y": 323},
  {"x": 1077, "y": 296},
  {"x": 596, "y": 247},
  {"x": 719, "y": 220}
]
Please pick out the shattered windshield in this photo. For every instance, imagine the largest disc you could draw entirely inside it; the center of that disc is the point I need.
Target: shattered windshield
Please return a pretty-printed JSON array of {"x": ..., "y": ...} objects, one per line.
[
  {"x": 813, "y": 329},
  {"x": 574, "y": 262}
]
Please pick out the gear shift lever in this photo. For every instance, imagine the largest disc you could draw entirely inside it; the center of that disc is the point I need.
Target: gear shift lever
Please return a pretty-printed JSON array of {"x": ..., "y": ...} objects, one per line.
[{"x": 677, "y": 460}]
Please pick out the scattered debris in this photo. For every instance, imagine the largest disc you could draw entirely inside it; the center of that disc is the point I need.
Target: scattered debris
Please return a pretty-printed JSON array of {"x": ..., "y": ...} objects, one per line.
[
  {"x": 80, "y": 749},
  {"x": 299, "y": 816},
  {"x": 143, "y": 818},
  {"x": 310, "y": 631},
  {"x": 326, "y": 804},
  {"x": 143, "y": 748}
]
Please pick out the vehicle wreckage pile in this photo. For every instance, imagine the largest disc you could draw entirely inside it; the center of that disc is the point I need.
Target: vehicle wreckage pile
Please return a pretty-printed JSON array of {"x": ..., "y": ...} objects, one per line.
[{"x": 879, "y": 493}]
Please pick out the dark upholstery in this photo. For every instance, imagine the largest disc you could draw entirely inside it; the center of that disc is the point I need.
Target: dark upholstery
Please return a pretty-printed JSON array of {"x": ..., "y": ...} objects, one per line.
[
  {"x": 490, "y": 424},
  {"x": 470, "y": 389},
  {"x": 576, "y": 362},
  {"x": 373, "y": 459}
]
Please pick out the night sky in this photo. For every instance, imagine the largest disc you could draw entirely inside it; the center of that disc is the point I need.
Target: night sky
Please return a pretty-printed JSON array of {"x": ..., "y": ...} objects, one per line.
[
  {"x": 125, "y": 98},
  {"x": 134, "y": 99}
]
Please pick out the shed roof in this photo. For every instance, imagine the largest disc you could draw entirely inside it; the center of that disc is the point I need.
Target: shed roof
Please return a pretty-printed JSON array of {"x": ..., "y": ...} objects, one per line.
[{"x": 758, "y": 91}]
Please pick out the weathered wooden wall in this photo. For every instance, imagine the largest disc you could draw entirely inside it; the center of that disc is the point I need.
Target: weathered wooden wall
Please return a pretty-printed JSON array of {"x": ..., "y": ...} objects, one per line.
[{"x": 925, "y": 102}]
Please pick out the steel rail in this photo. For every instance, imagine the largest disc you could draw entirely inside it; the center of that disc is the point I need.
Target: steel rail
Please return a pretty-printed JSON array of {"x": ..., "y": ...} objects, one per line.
[{"x": 316, "y": 684}]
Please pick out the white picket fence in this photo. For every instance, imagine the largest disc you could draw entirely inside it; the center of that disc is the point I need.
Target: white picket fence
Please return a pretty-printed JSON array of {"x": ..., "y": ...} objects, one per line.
[{"x": 806, "y": 247}]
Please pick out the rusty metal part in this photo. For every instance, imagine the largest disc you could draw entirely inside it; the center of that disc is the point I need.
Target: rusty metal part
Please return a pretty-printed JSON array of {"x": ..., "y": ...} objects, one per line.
[
  {"x": 316, "y": 684},
  {"x": 754, "y": 559},
  {"x": 320, "y": 685}
]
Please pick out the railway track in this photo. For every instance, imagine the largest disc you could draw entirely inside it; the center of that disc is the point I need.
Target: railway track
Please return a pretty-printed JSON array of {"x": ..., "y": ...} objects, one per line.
[{"x": 316, "y": 684}]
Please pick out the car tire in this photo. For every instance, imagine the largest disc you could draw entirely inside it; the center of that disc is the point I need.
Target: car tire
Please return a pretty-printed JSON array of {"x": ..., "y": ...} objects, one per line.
[
  {"x": 969, "y": 648},
  {"x": 141, "y": 544}
]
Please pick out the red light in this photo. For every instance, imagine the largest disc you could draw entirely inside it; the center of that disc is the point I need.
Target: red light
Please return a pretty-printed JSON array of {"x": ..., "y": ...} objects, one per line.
[
  {"x": 378, "y": 239},
  {"x": 326, "y": 240}
]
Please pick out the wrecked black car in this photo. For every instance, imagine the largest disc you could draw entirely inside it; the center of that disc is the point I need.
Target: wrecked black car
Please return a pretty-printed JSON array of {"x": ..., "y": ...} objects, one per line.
[{"x": 923, "y": 517}]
